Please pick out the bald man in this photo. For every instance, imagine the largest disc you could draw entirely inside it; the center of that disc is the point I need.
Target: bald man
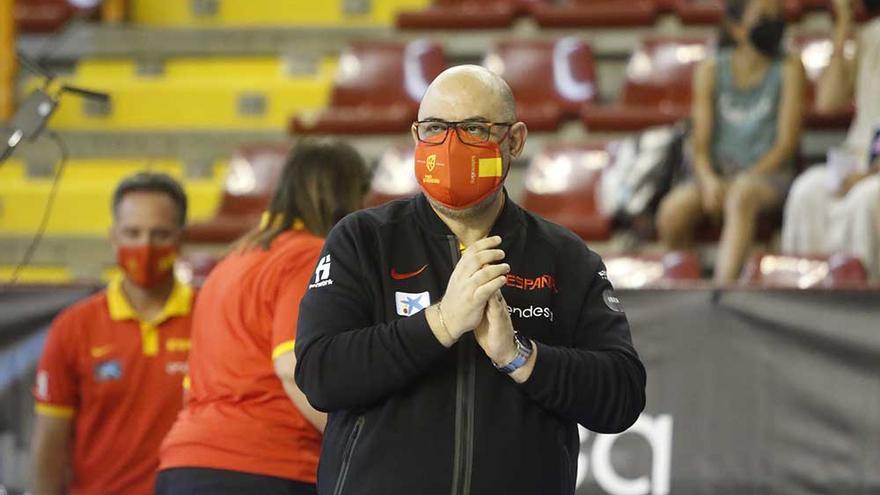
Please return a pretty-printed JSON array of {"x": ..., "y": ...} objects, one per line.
[{"x": 455, "y": 339}]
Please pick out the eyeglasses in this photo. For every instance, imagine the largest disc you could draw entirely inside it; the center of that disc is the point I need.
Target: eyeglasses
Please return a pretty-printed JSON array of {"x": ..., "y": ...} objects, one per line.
[{"x": 469, "y": 132}]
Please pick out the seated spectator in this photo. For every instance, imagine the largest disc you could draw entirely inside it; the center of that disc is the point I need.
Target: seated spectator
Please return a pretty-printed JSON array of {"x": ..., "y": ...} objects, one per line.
[
  {"x": 836, "y": 206},
  {"x": 747, "y": 119}
]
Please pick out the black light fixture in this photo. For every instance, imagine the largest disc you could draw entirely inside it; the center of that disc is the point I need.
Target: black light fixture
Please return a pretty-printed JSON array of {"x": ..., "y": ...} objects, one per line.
[{"x": 34, "y": 112}]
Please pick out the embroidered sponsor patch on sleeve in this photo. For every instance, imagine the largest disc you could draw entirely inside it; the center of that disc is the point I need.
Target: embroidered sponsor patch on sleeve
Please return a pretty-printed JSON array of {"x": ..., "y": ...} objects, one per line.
[{"x": 612, "y": 301}]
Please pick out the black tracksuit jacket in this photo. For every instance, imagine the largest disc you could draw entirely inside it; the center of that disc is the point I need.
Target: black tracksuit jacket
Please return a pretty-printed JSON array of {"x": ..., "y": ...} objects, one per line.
[{"x": 410, "y": 417}]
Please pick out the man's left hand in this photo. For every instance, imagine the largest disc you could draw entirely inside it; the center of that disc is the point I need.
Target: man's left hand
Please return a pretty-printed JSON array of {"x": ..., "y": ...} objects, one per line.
[
  {"x": 495, "y": 332},
  {"x": 495, "y": 335}
]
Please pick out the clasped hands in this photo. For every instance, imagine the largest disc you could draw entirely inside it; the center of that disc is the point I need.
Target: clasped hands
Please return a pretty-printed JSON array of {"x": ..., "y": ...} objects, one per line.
[{"x": 473, "y": 302}]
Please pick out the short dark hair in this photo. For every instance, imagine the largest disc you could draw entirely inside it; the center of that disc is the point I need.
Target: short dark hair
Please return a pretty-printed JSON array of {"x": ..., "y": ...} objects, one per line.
[{"x": 152, "y": 182}]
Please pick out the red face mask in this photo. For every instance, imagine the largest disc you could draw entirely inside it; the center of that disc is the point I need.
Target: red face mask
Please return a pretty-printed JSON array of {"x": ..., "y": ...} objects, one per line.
[
  {"x": 459, "y": 175},
  {"x": 147, "y": 266}
]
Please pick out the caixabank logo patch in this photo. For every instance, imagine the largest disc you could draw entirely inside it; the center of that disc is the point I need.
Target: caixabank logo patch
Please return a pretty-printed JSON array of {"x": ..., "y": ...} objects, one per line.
[
  {"x": 408, "y": 304},
  {"x": 108, "y": 371}
]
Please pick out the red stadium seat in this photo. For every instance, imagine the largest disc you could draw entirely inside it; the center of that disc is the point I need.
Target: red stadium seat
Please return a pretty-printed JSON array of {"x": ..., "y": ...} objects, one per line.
[
  {"x": 561, "y": 184},
  {"x": 253, "y": 173},
  {"x": 550, "y": 78},
  {"x": 804, "y": 272},
  {"x": 635, "y": 271},
  {"x": 595, "y": 13},
  {"x": 815, "y": 50},
  {"x": 464, "y": 14},
  {"x": 377, "y": 88},
  {"x": 701, "y": 12},
  {"x": 393, "y": 177},
  {"x": 665, "y": 6},
  {"x": 767, "y": 226},
  {"x": 39, "y": 16},
  {"x": 657, "y": 90},
  {"x": 816, "y": 4}
]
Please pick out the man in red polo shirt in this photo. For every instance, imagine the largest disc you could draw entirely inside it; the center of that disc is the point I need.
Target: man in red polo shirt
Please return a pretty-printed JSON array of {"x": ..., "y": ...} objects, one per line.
[{"x": 109, "y": 383}]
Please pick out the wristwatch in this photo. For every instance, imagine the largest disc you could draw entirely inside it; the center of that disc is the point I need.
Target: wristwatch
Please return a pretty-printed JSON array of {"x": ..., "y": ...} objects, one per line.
[{"x": 523, "y": 351}]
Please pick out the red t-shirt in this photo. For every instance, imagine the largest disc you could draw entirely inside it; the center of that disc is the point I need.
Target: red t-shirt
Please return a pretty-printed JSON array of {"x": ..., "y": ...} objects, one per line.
[
  {"x": 120, "y": 379},
  {"x": 238, "y": 416}
]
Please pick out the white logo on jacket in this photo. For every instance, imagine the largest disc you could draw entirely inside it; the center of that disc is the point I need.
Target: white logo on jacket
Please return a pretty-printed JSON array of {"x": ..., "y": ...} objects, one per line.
[
  {"x": 322, "y": 273},
  {"x": 409, "y": 304},
  {"x": 530, "y": 312}
]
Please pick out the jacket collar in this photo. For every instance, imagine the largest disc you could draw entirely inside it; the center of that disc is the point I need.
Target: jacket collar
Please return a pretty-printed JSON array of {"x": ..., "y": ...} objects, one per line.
[{"x": 511, "y": 220}]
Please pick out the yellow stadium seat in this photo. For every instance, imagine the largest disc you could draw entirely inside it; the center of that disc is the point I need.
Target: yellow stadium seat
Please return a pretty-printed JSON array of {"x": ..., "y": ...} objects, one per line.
[
  {"x": 210, "y": 94},
  {"x": 82, "y": 207},
  {"x": 249, "y": 13},
  {"x": 37, "y": 274}
]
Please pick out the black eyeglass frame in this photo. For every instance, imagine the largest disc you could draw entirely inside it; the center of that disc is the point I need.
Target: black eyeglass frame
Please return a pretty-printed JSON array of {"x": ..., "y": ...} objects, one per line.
[{"x": 457, "y": 126}]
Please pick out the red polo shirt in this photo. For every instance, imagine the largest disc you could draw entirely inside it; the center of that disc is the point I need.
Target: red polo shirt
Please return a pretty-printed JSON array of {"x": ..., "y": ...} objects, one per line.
[{"x": 120, "y": 379}]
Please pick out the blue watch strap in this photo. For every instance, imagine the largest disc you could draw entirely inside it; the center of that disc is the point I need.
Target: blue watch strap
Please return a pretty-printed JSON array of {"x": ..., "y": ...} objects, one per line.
[{"x": 523, "y": 352}]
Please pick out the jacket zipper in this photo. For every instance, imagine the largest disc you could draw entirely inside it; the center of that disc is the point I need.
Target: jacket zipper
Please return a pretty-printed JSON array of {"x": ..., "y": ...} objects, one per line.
[
  {"x": 347, "y": 455},
  {"x": 464, "y": 404}
]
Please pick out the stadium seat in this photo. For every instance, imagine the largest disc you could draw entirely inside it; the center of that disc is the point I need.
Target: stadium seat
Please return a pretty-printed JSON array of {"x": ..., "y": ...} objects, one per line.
[
  {"x": 253, "y": 173},
  {"x": 636, "y": 271},
  {"x": 42, "y": 16},
  {"x": 561, "y": 184},
  {"x": 81, "y": 207},
  {"x": 665, "y": 6},
  {"x": 804, "y": 272},
  {"x": 269, "y": 13},
  {"x": 595, "y": 13},
  {"x": 251, "y": 93},
  {"x": 767, "y": 226},
  {"x": 702, "y": 12},
  {"x": 816, "y": 4},
  {"x": 550, "y": 78},
  {"x": 464, "y": 14},
  {"x": 377, "y": 88},
  {"x": 657, "y": 90},
  {"x": 393, "y": 177},
  {"x": 815, "y": 50}
]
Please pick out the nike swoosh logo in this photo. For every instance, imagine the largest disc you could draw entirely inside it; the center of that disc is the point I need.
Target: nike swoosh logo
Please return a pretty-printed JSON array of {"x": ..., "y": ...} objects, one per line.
[
  {"x": 403, "y": 276},
  {"x": 101, "y": 351}
]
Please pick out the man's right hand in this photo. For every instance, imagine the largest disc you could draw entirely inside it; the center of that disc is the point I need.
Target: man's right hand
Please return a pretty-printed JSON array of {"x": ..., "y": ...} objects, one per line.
[{"x": 476, "y": 277}]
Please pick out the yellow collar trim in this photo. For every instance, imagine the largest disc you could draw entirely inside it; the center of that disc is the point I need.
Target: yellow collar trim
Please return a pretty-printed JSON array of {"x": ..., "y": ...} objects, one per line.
[{"x": 179, "y": 303}]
